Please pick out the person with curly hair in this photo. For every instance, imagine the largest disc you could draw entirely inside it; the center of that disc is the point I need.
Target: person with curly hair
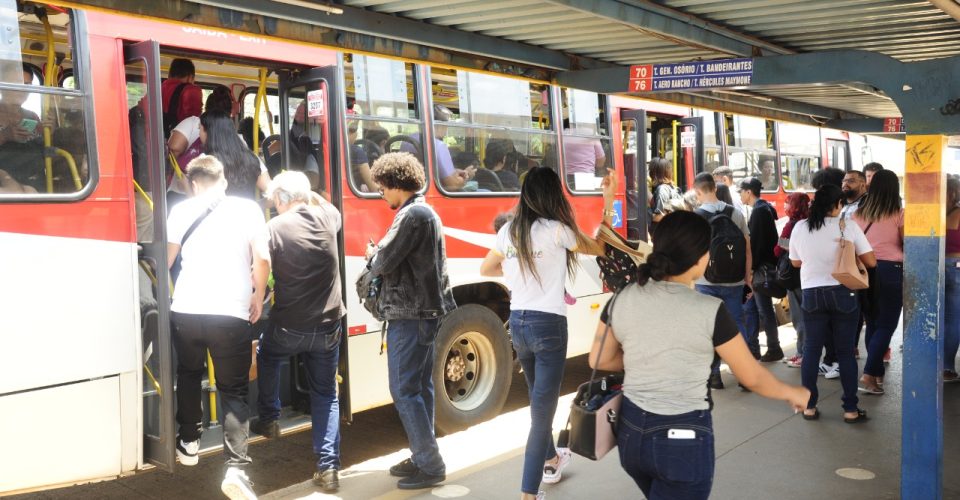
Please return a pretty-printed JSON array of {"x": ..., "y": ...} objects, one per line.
[{"x": 412, "y": 261}]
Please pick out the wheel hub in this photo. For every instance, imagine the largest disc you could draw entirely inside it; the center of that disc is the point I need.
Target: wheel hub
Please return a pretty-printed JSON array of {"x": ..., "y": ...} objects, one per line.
[{"x": 456, "y": 367}]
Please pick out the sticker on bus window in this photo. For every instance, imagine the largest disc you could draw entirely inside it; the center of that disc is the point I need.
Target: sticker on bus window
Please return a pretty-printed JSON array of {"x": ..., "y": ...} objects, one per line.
[{"x": 315, "y": 107}]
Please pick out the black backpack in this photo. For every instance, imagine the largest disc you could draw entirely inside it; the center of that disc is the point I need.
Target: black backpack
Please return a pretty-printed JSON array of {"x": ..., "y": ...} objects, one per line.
[{"x": 728, "y": 248}]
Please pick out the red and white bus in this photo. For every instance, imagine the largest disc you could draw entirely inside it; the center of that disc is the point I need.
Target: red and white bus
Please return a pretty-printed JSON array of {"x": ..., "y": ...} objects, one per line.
[{"x": 87, "y": 378}]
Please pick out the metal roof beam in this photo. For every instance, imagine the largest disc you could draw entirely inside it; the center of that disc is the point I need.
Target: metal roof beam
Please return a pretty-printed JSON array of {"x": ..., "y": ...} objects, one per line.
[
  {"x": 398, "y": 28},
  {"x": 683, "y": 28}
]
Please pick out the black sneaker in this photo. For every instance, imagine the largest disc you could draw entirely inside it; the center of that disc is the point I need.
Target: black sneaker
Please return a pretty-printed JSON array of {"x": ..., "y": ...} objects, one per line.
[
  {"x": 187, "y": 452},
  {"x": 772, "y": 355},
  {"x": 420, "y": 480},
  {"x": 327, "y": 480},
  {"x": 404, "y": 469},
  {"x": 269, "y": 430},
  {"x": 715, "y": 382}
]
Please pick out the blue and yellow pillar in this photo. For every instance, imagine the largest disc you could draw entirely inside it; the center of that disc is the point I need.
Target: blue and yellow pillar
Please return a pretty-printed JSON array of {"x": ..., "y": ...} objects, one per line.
[{"x": 924, "y": 226}]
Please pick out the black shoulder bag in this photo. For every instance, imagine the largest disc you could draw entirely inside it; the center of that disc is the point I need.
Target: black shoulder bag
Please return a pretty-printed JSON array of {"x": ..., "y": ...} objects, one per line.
[{"x": 175, "y": 268}]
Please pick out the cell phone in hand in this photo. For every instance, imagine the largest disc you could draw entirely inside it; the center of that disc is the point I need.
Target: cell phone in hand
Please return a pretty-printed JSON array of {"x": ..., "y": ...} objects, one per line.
[{"x": 29, "y": 125}]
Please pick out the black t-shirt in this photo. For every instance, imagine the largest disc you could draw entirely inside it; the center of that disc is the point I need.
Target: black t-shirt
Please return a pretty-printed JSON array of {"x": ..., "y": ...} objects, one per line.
[
  {"x": 306, "y": 267},
  {"x": 724, "y": 328}
]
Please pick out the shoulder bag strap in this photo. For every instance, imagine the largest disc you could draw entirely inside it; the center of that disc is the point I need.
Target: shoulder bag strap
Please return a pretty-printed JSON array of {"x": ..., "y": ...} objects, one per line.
[
  {"x": 197, "y": 222},
  {"x": 603, "y": 340}
]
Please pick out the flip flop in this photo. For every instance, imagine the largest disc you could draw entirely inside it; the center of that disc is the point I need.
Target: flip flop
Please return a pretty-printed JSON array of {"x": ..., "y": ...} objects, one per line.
[
  {"x": 877, "y": 391},
  {"x": 861, "y": 417},
  {"x": 815, "y": 416}
]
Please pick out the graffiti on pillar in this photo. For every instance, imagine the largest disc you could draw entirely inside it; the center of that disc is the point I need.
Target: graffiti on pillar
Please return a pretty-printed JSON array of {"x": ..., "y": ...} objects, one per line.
[
  {"x": 920, "y": 154},
  {"x": 951, "y": 108}
]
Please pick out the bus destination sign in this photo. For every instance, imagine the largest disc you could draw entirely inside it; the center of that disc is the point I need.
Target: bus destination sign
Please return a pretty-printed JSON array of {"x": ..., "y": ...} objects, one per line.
[{"x": 695, "y": 75}]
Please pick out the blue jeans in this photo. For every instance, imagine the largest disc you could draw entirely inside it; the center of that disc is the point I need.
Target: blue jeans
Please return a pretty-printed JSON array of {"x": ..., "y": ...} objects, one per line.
[
  {"x": 410, "y": 348},
  {"x": 757, "y": 311},
  {"x": 320, "y": 351},
  {"x": 540, "y": 341},
  {"x": 951, "y": 317},
  {"x": 883, "y": 320},
  {"x": 796, "y": 316},
  {"x": 665, "y": 468},
  {"x": 831, "y": 312},
  {"x": 732, "y": 297}
]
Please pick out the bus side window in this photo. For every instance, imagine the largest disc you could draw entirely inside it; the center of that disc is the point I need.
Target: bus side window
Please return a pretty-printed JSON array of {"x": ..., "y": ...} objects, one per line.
[
  {"x": 43, "y": 137},
  {"x": 586, "y": 142}
]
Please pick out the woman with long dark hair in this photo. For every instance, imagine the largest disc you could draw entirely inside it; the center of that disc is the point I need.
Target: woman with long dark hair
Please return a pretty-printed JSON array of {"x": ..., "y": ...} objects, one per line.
[
  {"x": 881, "y": 217},
  {"x": 664, "y": 335},
  {"x": 535, "y": 253},
  {"x": 241, "y": 167},
  {"x": 829, "y": 308},
  {"x": 666, "y": 197},
  {"x": 797, "y": 208}
]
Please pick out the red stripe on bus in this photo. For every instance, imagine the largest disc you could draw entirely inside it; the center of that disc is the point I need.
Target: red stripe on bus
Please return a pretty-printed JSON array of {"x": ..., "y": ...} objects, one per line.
[{"x": 356, "y": 330}]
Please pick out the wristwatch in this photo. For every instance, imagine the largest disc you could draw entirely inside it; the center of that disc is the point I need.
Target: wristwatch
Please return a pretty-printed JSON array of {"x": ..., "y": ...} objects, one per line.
[{"x": 609, "y": 213}]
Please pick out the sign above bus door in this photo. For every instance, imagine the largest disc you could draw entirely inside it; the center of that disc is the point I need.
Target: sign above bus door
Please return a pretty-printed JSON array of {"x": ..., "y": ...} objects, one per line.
[
  {"x": 315, "y": 104},
  {"x": 695, "y": 75},
  {"x": 688, "y": 139}
]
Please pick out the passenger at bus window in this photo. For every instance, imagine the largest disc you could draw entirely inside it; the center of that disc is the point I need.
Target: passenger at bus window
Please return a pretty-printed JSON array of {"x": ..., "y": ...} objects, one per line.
[
  {"x": 21, "y": 147},
  {"x": 415, "y": 294},
  {"x": 870, "y": 169},
  {"x": 451, "y": 178},
  {"x": 306, "y": 315},
  {"x": 378, "y": 136},
  {"x": 359, "y": 164},
  {"x": 768, "y": 175},
  {"x": 246, "y": 132},
  {"x": 242, "y": 169},
  {"x": 535, "y": 253},
  {"x": 582, "y": 155},
  {"x": 724, "y": 175},
  {"x": 185, "y": 143},
  {"x": 854, "y": 192},
  {"x": 182, "y": 74},
  {"x": 496, "y": 157},
  {"x": 218, "y": 296}
]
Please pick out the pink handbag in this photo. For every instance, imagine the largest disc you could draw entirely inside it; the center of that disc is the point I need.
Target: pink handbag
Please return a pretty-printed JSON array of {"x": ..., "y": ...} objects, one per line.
[{"x": 849, "y": 271}]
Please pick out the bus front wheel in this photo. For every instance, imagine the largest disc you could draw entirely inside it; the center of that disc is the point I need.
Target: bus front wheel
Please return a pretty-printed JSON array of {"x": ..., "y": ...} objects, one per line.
[{"x": 473, "y": 368}]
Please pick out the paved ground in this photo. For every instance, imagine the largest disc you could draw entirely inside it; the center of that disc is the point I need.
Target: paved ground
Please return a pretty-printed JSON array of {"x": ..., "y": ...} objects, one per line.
[{"x": 763, "y": 451}]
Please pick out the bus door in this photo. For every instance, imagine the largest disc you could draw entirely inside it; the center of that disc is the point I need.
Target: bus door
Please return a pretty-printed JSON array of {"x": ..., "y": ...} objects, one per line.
[
  {"x": 633, "y": 140},
  {"x": 688, "y": 150},
  {"x": 142, "y": 61},
  {"x": 313, "y": 139},
  {"x": 839, "y": 154}
]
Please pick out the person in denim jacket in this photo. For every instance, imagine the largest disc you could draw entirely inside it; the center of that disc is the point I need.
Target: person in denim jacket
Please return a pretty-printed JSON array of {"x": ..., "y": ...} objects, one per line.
[{"x": 415, "y": 295}]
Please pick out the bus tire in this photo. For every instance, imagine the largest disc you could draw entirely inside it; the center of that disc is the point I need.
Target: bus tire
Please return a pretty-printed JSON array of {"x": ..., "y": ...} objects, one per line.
[{"x": 473, "y": 368}]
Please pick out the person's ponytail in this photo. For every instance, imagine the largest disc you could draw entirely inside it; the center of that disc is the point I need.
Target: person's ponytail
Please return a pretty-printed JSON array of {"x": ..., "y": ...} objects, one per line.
[
  {"x": 679, "y": 241},
  {"x": 824, "y": 201}
]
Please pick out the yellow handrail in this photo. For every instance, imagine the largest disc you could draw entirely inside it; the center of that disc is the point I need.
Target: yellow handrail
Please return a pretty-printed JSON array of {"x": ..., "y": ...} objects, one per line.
[
  {"x": 49, "y": 79},
  {"x": 261, "y": 96},
  {"x": 143, "y": 193},
  {"x": 176, "y": 166},
  {"x": 212, "y": 387},
  {"x": 73, "y": 167}
]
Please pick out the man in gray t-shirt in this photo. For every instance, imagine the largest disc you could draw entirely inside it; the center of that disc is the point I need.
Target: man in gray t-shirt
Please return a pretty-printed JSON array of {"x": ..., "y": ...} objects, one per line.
[{"x": 730, "y": 293}]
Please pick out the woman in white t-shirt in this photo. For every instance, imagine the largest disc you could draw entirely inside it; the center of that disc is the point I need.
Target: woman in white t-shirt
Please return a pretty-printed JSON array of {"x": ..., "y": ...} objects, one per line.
[
  {"x": 535, "y": 253},
  {"x": 829, "y": 308}
]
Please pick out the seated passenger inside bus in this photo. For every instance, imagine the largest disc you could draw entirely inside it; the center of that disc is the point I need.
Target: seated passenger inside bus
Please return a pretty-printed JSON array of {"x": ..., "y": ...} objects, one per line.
[
  {"x": 451, "y": 178},
  {"x": 303, "y": 152},
  {"x": 21, "y": 143},
  {"x": 500, "y": 157},
  {"x": 359, "y": 162}
]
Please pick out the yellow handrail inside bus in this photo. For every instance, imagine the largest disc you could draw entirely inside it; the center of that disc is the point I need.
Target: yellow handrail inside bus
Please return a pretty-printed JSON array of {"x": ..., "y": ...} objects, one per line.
[
  {"x": 73, "y": 167},
  {"x": 176, "y": 166},
  {"x": 261, "y": 96},
  {"x": 153, "y": 379},
  {"x": 212, "y": 387},
  {"x": 143, "y": 193},
  {"x": 49, "y": 79}
]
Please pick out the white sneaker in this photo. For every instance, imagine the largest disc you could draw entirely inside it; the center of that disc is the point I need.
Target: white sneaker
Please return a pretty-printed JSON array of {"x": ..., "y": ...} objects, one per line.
[
  {"x": 541, "y": 495},
  {"x": 187, "y": 452},
  {"x": 236, "y": 485},
  {"x": 552, "y": 473},
  {"x": 833, "y": 371}
]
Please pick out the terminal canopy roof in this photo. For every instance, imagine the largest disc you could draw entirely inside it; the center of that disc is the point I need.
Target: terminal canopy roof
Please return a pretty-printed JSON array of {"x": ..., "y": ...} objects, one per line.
[{"x": 546, "y": 38}]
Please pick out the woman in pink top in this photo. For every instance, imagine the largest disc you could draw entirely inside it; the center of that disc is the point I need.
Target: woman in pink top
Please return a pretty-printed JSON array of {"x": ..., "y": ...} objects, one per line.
[{"x": 881, "y": 217}]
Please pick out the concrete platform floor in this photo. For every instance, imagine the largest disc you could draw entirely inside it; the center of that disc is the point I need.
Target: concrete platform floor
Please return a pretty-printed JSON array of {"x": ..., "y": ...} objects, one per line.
[{"x": 763, "y": 451}]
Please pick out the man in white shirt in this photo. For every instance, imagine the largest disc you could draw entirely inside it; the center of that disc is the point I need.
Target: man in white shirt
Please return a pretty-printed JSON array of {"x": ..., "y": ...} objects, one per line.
[
  {"x": 854, "y": 191},
  {"x": 219, "y": 239}
]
